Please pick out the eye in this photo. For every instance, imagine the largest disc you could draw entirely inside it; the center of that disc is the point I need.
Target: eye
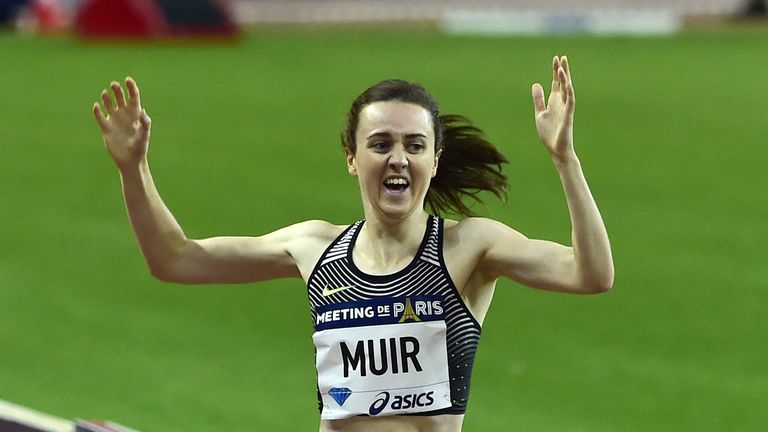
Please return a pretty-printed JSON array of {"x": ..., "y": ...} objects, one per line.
[
  {"x": 379, "y": 146},
  {"x": 415, "y": 147}
]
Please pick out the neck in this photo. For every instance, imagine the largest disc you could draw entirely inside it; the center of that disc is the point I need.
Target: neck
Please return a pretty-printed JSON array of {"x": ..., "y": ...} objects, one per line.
[
  {"x": 394, "y": 224},
  {"x": 385, "y": 244}
]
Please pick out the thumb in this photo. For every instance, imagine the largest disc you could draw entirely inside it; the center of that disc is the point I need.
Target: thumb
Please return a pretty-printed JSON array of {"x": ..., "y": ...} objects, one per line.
[
  {"x": 144, "y": 125},
  {"x": 146, "y": 122},
  {"x": 537, "y": 92}
]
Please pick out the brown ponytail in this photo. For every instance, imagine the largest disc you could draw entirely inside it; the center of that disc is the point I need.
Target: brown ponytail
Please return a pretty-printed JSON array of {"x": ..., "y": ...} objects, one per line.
[{"x": 468, "y": 163}]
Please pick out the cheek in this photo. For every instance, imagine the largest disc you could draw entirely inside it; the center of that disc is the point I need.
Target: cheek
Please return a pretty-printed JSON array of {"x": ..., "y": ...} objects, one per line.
[
  {"x": 429, "y": 167},
  {"x": 367, "y": 170}
]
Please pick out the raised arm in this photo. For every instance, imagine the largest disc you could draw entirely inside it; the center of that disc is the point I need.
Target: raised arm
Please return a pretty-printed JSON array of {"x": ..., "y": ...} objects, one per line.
[
  {"x": 586, "y": 266},
  {"x": 170, "y": 255}
]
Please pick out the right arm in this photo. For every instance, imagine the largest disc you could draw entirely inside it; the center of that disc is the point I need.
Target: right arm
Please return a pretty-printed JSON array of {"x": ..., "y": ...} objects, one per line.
[
  {"x": 173, "y": 257},
  {"x": 170, "y": 255}
]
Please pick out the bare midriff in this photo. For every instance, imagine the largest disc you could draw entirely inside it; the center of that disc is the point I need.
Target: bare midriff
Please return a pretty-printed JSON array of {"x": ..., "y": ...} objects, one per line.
[{"x": 438, "y": 423}]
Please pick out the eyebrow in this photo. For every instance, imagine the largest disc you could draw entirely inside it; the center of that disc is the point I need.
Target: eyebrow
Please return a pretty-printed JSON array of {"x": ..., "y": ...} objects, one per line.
[{"x": 387, "y": 134}]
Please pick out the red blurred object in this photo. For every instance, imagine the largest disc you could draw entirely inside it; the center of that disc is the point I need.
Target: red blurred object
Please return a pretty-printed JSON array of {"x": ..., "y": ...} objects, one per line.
[
  {"x": 155, "y": 19},
  {"x": 120, "y": 19}
]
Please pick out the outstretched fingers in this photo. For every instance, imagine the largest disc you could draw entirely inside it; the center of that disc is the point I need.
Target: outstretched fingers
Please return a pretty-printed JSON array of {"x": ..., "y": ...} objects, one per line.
[
  {"x": 563, "y": 73},
  {"x": 555, "y": 74},
  {"x": 99, "y": 115},
  {"x": 567, "y": 84},
  {"x": 566, "y": 66},
  {"x": 106, "y": 99},
  {"x": 570, "y": 97},
  {"x": 561, "y": 84},
  {"x": 564, "y": 84},
  {"x": 133, "y": 92},
  {"x": 119, "y": 94},
  {"x": 114, "y": 99},
  {"x": 537, "y": 92}
]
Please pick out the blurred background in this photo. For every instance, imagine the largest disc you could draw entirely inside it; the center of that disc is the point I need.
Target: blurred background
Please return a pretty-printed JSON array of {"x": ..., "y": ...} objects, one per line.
[{"x": 248, "y": 100}]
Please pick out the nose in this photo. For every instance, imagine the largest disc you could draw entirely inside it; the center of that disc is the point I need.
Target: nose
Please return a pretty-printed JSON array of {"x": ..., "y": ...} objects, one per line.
[{"x": 398, "y": 160}]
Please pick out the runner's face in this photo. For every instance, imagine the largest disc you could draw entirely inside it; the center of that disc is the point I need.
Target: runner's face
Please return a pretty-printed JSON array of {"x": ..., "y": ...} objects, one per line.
[{"x": 395, "y": 158}]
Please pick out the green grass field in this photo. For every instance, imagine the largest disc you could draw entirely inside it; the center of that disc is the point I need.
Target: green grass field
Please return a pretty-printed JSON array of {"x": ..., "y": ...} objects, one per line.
[{"x": 671, "y": 133}]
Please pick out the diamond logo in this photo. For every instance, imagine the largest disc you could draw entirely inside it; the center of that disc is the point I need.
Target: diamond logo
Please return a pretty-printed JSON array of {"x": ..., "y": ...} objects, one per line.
[{"x": 340, "y": 394}]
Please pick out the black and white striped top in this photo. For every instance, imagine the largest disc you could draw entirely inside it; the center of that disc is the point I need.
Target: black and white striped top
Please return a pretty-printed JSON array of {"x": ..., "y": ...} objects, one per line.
[{"x": 425, "y": 275}]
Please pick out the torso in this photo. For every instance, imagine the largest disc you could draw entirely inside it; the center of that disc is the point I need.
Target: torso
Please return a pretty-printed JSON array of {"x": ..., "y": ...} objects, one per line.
[
  {"x": 472, "y": 288},
  {"x": 461, "y": 253}
]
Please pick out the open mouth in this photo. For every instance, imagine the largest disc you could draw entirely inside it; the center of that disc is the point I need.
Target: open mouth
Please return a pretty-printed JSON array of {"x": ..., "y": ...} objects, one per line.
[{"x": 396, "y": 184}]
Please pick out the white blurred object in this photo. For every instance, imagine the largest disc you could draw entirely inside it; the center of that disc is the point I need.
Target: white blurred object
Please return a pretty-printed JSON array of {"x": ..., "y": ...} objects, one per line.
[
  {"x": 596, "y": 21},
  {"x": 361, "y": 11}
]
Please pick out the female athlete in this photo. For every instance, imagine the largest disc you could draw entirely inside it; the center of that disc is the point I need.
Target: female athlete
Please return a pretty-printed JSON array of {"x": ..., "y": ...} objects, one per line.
[{"x": 398, "y": 298}]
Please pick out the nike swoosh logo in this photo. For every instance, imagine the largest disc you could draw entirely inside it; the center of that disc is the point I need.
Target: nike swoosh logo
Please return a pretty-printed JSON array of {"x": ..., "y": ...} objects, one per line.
[{"x": 328, "y": 291}]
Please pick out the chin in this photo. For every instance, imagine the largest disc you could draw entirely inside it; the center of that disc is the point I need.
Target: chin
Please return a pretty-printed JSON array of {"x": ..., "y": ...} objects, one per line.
[
  {"x": 394, "y": 206},
  {"x": 399, "y": 210}
]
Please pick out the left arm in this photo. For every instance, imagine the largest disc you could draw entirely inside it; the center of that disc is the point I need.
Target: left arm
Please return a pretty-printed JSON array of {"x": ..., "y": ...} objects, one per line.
[{"x": 587, "y": 266}]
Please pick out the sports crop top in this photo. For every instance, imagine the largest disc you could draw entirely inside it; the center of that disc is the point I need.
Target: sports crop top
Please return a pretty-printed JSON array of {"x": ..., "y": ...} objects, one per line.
[{"x": 402, "y": 343}]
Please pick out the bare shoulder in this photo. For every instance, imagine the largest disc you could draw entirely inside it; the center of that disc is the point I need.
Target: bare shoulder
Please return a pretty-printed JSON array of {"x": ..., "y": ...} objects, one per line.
[
  {"x": 308, "y": 240},
  {"x": 471, "y": 248},
  {"x": 316, "y": 229},
  {"x": 480, "y": 232}
]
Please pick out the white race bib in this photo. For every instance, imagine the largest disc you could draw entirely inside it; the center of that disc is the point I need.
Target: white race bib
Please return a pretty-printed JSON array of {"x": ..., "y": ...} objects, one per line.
[{"x": 382, "y": 357}]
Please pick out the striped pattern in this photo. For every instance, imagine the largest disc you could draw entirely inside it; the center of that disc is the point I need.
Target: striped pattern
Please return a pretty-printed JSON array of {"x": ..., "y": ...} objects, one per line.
[{"x": 425, "y": 275}]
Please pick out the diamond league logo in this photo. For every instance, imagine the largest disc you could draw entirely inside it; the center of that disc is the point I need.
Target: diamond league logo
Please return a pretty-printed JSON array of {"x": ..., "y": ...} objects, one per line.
[{"x": 340, "y": 394}]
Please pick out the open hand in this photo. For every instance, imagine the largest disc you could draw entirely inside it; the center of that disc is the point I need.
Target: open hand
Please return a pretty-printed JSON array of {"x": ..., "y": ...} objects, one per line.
[
  {"x": 554, "y": 120},
  {"x": 126, "y": 124}
]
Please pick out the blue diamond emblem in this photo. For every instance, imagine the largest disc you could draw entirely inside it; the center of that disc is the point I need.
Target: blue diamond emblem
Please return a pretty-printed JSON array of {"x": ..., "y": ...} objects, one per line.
[{"x": 340, "y": 394}]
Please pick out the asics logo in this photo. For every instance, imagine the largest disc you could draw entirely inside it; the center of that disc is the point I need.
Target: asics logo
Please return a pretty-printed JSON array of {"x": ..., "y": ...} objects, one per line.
[{"x": 328, "y": 291}]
